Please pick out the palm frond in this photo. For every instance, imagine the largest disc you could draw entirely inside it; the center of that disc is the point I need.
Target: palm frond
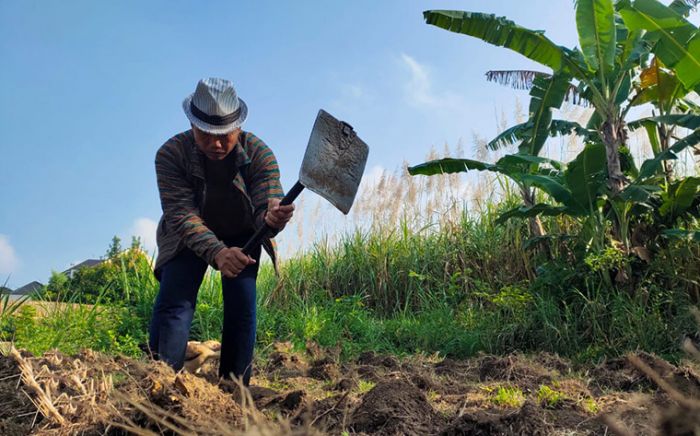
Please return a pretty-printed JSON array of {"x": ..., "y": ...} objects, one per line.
[
  {"x": 684, "y": 7},
  {"x": 524, "y": 79},
  {"x": 516, "y": 79}
]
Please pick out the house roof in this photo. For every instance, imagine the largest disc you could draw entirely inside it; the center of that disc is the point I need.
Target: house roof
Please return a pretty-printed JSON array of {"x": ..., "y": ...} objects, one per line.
[
  {"x": 28, "y": 288},
  {"x": 84, "y": 264}
]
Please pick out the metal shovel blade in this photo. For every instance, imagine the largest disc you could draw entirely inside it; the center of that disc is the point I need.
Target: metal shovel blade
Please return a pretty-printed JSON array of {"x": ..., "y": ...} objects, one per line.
[{"x": 334, "y": 161}]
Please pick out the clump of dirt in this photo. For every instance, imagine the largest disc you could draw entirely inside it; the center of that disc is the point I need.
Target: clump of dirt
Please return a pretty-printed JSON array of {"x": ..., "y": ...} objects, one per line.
[
  {"x": 553, "y": 362},
  {"x": 324, "y": 369},
  {"x": 529, "y": 420},
  {"x": 621, "y": 375},
  {"x": 375, "y": 395},
  {"x": 16, "y": 411},
  {"x": 514, "y": 369},
  {"x": 680, "y": 421},
  {"x": 395, "y": 407},
  {"x": 373, "y": 359},
  {"x": 286, "y": 364}
]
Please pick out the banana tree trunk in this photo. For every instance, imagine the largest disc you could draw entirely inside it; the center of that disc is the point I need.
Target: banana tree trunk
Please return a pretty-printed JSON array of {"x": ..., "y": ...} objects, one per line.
[
  {"x": 536, "y": 227},
  {"x": 614, "y": 135},
  {"x": 665, "y": 135}
]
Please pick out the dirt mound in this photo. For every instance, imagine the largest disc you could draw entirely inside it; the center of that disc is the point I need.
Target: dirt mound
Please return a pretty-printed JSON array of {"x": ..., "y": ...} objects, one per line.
[
  {"x": 395, "y": 407},
  {"x": 90, "y": 393},
  {"x": 529, "y": 420},
  {"x": 373, "y": 359},
  {"x": 515, "y": 369},
  {"x": 295, "y": 393},
  {"x": 621, "y": 375},
  {"x": 285, "y": 363},
  {"x": 324, "y": 369},
  {"x": 16, "y": 411}
]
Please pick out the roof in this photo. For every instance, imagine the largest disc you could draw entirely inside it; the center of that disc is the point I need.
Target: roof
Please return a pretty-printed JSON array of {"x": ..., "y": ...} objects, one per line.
[
  {"x": 28, "y": 288},
  {"x": 84, "y": 264}
]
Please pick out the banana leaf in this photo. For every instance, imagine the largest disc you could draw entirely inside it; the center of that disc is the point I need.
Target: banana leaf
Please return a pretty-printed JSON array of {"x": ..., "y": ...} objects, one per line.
[
  {"x": 449, "y": 166},
  {"x": 677, "y": 40},
  {"x": 501, "y": 32},
  {"x": 585, "y": 178},
  {"x": 652, "y": 166},
  {"x": 595, "y": 21},
  {"x": 680, "y": 197},
  {"x": 690, "y": 235}
]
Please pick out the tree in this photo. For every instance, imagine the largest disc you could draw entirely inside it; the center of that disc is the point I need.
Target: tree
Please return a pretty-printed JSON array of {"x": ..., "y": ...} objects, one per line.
[
  {"x": 115, "y": 248},
  {"x": 617, "y": 40}
]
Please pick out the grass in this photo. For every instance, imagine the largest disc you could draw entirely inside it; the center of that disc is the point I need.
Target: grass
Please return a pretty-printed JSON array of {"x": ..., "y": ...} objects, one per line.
[
  {"x": 406, "y": 280},
  {"x": 550, "y": 398},
  {"x": 456, "y": 292},
  {"x": 508, "y": 396}
]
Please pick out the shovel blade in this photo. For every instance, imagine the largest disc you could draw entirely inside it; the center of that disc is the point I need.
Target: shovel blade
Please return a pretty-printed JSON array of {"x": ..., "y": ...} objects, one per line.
[{"x": 334, "y": 161}]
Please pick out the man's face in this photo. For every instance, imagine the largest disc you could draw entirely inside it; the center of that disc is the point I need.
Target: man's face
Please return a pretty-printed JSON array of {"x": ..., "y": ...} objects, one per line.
[{"x": 215, "y": 147}]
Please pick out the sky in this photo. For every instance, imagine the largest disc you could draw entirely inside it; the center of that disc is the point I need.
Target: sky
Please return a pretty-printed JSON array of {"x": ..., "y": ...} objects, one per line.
[{"x": 90, "y": 90}]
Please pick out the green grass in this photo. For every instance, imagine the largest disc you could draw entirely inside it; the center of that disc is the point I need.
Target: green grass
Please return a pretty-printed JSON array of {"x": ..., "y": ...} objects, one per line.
[
  {"x": 456, "y": 290},
  {"x": 507, "y": 396}
]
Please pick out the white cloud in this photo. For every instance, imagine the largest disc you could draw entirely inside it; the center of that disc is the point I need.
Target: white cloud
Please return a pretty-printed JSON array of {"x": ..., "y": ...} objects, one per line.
[
  {"x": 145, "y": 228},
  {"x": 9, "y": 262},
  {"x": 352, "y": 97},
  {"x": 419, "y": 88}
]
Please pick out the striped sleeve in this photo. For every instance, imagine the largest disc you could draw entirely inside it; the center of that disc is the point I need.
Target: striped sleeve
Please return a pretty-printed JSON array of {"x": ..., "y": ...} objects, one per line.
[
  {"x": 264, "y": 176},
  {"x": 180, "y": 212}
]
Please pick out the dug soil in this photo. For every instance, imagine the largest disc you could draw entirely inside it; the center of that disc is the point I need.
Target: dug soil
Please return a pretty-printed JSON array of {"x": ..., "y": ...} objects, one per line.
[{"x": 310, "y": 392}]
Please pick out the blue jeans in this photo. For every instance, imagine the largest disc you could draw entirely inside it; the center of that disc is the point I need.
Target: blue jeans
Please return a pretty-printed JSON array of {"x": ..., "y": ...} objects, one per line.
[{"x": 174, "y": 309}]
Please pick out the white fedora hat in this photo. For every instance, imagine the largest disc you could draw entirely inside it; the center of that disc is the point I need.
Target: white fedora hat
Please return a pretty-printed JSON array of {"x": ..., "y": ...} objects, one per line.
[{"x": 214, "y": 107}]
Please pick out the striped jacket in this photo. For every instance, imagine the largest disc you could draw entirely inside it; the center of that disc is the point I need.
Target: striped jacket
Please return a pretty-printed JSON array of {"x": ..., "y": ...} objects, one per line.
[{"x": 180, "y": 174}]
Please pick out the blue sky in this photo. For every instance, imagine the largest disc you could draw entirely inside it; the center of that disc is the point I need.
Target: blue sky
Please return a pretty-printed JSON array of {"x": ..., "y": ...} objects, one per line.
[{"x": 90, "y": 90}]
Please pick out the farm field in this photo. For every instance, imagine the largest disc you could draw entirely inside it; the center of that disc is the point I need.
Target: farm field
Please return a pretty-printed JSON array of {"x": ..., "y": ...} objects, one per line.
[
  {"x": 310, "y": 393},
  {"x": 542, "y": 280}
]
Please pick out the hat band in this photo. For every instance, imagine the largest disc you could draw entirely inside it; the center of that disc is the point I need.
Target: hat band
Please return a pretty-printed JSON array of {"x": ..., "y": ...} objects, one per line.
[{"x": 215, "y": 120}]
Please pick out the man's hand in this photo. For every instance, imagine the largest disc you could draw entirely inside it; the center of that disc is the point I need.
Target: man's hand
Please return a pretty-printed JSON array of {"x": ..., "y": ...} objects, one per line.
[
  {"x": 231, "y": 261},
  {"x": 278, "y": 216}
]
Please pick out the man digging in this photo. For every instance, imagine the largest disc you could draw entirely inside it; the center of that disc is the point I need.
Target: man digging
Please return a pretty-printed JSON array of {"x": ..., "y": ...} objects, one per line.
[{"x": 217, "y": 184}]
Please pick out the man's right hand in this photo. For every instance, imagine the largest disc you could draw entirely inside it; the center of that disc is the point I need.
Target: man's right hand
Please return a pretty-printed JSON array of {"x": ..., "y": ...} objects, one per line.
[{"x": 231, "y": 261}]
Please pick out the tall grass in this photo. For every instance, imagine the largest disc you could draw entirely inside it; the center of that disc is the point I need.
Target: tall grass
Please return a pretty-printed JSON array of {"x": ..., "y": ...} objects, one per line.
[{"x": 419, "y": 266}]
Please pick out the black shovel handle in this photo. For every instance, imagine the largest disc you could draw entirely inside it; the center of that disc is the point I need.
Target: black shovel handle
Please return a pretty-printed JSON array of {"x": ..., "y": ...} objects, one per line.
[{"x": 265, "y": 230}]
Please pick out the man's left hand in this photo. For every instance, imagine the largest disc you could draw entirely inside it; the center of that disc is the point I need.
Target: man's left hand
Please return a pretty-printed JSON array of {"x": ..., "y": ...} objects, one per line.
[{"x": 277, "y": 216}]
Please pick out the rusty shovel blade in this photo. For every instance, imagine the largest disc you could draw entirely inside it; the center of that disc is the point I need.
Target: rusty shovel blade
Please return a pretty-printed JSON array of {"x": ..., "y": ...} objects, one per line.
[
  {"x": 333, "y": 165},
  {"x": 334, "y": 161}
]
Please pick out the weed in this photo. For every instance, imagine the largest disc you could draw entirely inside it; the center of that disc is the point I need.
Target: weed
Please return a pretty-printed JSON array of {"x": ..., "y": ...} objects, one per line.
[
  {"x": 507, "y": 396},
  {"x": 365, "y": 386},
  {"x": 550, "y": 398}
]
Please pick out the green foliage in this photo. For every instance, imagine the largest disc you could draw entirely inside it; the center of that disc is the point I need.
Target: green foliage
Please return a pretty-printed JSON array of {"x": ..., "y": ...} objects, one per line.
[
  {"x": 595, "y": 21},
  {"x": 508, "y": 396},
  {"x": 456, "y": 291},
  {"x": 550, "y": 398},
  {"x": 114, "y": 280},
  {"x": 677, "y": 40}
]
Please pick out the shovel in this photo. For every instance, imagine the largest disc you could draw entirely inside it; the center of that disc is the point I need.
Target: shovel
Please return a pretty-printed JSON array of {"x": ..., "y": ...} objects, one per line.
[{"x": 333, "y": 165}]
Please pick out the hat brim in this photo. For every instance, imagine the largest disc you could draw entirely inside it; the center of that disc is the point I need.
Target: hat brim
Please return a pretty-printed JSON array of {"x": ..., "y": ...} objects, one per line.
[{"x": 210, "y": 128}]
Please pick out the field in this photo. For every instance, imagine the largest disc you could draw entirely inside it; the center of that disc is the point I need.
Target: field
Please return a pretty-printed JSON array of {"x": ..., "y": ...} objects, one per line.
[
  {"x": 310, "y": 393},
  {"x": 548, "y": 286}
]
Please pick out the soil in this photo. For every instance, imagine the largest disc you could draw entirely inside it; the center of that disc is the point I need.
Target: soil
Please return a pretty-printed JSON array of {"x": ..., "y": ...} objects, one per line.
[{"x": 311, "y": 392}]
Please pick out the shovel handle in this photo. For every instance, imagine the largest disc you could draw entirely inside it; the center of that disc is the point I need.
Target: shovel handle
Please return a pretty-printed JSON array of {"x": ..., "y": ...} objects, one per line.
[{"x": 265, "y": 230}]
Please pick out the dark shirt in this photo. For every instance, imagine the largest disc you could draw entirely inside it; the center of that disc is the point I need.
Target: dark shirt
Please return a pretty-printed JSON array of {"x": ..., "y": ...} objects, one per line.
[{"x": 227, "y": 212}]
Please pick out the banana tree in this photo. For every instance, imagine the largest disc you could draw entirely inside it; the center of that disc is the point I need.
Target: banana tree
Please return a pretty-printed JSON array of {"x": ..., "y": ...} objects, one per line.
[
  {"x": 604, "y": 67},
  {"x": 605, "y": 72}
]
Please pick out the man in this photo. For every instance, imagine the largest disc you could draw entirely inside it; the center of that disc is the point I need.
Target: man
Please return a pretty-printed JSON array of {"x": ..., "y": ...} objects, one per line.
[{"x": 217, "y": 184}]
